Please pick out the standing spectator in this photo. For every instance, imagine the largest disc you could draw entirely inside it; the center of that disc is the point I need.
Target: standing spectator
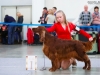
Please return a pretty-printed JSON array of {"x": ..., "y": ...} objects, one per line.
[
  {"x": 44, "y": 15},
  {"x": 85, "y": 18},
  {"x": 50, "y": 17},
  {"x": 19, "y": 28},
  {"x": 96, "y": 19},
  {"x": 54, "y": 10},
  {"x": 11, "y": 28}
]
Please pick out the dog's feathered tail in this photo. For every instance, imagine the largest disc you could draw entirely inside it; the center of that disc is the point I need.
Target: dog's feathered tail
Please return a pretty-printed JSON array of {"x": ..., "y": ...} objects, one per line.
[{"x": 88, "y": 45}]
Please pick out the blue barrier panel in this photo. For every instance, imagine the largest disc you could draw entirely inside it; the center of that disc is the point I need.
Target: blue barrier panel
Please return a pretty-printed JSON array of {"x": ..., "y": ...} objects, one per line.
[{"x": 18, "y": 24}]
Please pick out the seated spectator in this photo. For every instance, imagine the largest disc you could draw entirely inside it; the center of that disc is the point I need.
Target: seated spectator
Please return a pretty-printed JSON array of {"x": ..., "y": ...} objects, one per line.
[
  {"x": 4, "y": 34},
  {"x": 85, "y": 18},
  {"x": 96, "y": 19}
]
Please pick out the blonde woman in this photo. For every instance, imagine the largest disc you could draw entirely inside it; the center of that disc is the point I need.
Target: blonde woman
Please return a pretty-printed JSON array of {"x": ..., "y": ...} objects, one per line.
[
  {"x": 19, "y": 28},
  {"x": 50, "y": 17},
  {"x": 63, "y": 29}
]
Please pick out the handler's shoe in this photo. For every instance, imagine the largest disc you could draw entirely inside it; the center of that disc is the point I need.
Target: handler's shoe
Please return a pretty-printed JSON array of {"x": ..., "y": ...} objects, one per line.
[{"x": 74, "y": 66}]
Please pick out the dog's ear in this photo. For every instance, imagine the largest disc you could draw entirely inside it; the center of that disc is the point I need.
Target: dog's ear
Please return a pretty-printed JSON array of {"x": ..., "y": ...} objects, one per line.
[
  {"x": 42, "y": 38},
  {"x": 35, "y": 30}
]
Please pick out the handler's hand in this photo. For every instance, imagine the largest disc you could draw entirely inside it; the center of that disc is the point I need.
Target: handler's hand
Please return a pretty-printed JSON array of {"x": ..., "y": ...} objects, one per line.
[{"x": 91, "y": 38}]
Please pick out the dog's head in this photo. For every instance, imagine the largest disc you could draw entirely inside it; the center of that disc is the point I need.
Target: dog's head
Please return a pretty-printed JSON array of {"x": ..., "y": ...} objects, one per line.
[{"x": 41, "y": 32}]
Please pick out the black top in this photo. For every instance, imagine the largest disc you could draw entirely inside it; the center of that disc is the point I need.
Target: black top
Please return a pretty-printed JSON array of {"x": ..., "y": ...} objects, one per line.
[{"x": 20, "y": 19}]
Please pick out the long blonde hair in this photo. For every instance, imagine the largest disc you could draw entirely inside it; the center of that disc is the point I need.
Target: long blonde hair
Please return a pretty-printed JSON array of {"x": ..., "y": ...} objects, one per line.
[{"x": 65, "y": 21}]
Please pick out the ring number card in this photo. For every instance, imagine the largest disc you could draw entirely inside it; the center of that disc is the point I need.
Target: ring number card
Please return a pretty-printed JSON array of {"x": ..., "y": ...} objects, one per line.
[{"x": 31, "y": 62}]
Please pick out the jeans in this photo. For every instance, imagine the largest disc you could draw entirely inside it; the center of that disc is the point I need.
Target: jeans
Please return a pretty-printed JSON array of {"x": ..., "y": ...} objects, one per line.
[
  {"x": 19, "y": 36},
  {"x": 16, "y": 36},
  {"x": 11, "y": 30}
]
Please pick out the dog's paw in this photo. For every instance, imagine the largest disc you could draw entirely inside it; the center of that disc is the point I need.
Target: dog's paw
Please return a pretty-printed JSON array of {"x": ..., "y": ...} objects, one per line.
[
  {"x": 88, "y": 68},
  {"x": 52, "y": 69},
  {"x": 84, "y": 67}
]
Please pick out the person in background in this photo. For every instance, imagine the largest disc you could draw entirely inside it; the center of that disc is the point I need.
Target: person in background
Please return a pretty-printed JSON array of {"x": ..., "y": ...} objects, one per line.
[
  {"x": 44, "y": 15},
  {"x": 54, "y": 10},
  {"x": 4, "y": 34},
  {"x": 50, "y": 17},
  {"x": 0, "y": 32},
  {"x": 85, "y": 18},
  {"x": 19, "y": 28},
  {"x": 96, "y": 19},
  {"x": 11, "y": 28},
  {"x": 63, "y": 28}
]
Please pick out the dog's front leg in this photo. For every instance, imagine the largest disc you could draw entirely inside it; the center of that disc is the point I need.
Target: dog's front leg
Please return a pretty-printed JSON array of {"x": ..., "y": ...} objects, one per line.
[
  {"x": 53, "y": 68},
  {"x": 55, "y": 65}
]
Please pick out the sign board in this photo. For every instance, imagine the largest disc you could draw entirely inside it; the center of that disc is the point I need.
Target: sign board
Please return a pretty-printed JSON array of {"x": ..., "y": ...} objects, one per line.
[{"x": 31, "y": 62}]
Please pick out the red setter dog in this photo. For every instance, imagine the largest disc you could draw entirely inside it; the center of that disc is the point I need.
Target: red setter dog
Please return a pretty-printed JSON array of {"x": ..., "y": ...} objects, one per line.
[{"x": 57, "y": 49}]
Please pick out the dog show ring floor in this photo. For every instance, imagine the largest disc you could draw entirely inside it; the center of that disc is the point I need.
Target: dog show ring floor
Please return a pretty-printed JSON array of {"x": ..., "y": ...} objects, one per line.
[{"x": 13, "y": 62}]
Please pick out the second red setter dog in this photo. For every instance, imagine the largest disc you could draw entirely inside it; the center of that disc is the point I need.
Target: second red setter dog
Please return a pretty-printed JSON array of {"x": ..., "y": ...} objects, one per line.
[{"x": 57, "y": 49}]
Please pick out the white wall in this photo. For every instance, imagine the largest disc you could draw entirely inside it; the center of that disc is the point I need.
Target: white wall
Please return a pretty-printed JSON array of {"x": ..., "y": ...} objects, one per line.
[
  {"x": 72, "y": 8},
  {"x": 49, "y": 3},
  {"x": 14, "y": 3},
  {"x": 37, "y": 8}
]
